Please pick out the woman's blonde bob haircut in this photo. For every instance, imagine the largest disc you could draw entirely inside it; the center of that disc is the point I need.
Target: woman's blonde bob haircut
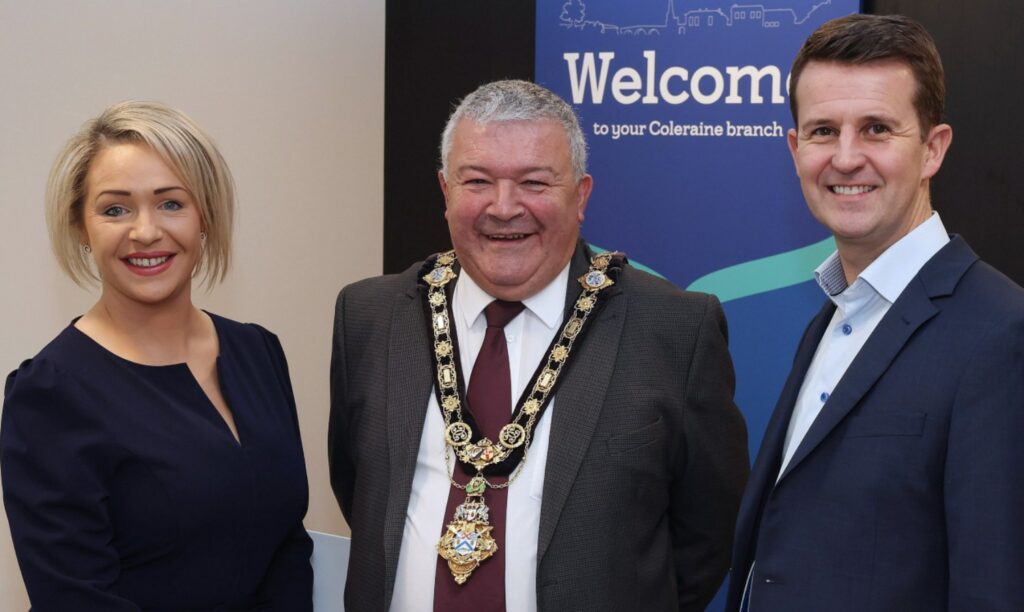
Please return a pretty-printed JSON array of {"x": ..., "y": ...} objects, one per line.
[{"x": 181, "y": 144}]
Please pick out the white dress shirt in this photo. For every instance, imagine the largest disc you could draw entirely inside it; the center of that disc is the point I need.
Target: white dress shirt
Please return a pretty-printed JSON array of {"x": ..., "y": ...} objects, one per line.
[
  {"x": 859, "y": 308},
  {"x": 528, "y": 337}
]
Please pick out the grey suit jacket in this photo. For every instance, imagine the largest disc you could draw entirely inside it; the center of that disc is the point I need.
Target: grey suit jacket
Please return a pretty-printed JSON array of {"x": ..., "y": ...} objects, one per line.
[{"x": 647, "y": 457}]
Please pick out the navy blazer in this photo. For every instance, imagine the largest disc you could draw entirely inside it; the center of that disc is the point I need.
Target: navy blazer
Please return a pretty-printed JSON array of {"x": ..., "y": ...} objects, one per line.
[
  {"x": 126, "y": 490},
  {"x": 906, "y": 491}
]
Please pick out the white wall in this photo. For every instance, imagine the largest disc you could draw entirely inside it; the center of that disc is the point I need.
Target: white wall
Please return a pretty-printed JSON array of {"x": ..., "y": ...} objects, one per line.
[{"x": 293, "y": 93}]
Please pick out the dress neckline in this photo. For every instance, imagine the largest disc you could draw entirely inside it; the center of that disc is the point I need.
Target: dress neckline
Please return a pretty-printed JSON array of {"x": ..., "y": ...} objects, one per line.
[
  {"x": 89, "y": 340},
  {"x": 180, "y": 370}
]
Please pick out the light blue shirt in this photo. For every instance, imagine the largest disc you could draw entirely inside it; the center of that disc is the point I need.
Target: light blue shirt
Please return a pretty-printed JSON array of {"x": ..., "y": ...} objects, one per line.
[{"x": 859, "y": 308}]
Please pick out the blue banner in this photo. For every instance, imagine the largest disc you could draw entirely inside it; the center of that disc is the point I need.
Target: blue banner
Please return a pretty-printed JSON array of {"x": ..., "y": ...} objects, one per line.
[{"x": 685, "y": 108}]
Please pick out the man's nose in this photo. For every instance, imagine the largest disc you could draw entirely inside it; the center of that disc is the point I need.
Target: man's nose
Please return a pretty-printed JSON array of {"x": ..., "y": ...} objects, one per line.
[
  {"x": 507, "y": 204},
  {"x": 849, "y": 155}
]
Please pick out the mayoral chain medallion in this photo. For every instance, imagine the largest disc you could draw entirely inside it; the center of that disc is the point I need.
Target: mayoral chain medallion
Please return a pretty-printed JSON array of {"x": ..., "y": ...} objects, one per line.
[{"x": 467, "y": 540}]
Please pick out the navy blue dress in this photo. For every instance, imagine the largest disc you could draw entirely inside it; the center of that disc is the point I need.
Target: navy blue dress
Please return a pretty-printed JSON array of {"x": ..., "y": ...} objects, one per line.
[{"x": 125, "y": 489}]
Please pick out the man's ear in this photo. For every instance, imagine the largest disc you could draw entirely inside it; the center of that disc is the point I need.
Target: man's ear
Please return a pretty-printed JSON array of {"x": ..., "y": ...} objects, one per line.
[
  {"x": 583, "y": 189},
  {"x": 444, "y": 189},
  {"x": 791, "y": 140},
  {"x": 936, "y": 145}
]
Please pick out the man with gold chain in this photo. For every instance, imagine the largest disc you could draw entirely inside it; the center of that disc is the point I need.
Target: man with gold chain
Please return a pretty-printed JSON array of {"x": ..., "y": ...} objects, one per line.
[{"x": 520, "y": 424}]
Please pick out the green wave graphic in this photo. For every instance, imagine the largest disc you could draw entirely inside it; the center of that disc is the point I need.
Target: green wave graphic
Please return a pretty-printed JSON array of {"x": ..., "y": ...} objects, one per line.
[
  {"x": 765, "y": 274},
  {"x": 758, "y": 275}
]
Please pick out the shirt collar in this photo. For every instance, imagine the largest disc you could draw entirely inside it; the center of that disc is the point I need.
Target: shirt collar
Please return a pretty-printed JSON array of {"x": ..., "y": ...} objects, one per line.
[
  {"x": 546, "y": 304},
  {"x": 891, "y": 272}
]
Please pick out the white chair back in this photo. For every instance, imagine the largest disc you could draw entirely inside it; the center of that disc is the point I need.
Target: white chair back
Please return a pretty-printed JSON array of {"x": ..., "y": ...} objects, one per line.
[{"x": 330, "y": 567}]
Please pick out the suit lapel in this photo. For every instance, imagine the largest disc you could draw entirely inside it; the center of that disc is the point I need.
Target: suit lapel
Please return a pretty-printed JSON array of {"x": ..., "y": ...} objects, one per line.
[
  {"x": 775, "y": 433},
  {"x": 579, "y": 399},
  {"x": 909, "y": 312},
  {"x": 912, "y": 309},
  {"x": 409, "y": 370},
  {"x": 769, "y": 457}
]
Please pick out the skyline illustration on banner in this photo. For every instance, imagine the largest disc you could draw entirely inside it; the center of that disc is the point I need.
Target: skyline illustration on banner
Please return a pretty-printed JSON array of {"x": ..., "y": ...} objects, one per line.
[{"x": 574, "y": 15}]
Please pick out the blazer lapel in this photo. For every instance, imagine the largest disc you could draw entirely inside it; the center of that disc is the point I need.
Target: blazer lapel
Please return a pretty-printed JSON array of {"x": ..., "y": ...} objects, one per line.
[
  {"x": 409, "y": 376},
  {"x": 775, "y": 434},
  {"x": 909, "y": 312},
  {"x": 579, "y": 398},
  {"x": 912, "y": 309},
  {"x": 769, "y": 457}
]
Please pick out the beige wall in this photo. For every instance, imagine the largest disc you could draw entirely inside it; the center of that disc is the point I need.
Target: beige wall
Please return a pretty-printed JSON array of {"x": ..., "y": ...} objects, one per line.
[{"x": 292, "y": 91}]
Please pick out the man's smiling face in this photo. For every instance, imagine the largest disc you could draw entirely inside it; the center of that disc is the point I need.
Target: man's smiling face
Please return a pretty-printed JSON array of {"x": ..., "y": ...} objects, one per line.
[
  {"x": 513, "y": 204},
  {"x": 858, "y": 148}
]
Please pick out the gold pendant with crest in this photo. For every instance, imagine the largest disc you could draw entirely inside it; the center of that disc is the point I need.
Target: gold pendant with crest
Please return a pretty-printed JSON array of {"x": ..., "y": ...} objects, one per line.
[{"x": 467, "y": 541}]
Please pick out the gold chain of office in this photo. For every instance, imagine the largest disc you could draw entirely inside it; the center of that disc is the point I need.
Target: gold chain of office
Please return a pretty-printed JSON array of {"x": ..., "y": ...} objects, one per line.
[{"x": 467, "y": 540}]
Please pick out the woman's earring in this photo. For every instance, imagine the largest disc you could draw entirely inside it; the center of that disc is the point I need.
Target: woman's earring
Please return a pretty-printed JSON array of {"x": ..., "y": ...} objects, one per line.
[
  {"x": 202, "y": 236},
  {"x": 86, "y": 249}
]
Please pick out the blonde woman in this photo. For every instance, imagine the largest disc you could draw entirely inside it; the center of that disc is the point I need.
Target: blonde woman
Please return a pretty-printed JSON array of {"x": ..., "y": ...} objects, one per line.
[{"x": 150, "y": 453}]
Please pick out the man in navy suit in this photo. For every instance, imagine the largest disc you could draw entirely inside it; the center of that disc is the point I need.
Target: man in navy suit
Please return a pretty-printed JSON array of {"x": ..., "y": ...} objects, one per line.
[{"x": 891, "y": 475}]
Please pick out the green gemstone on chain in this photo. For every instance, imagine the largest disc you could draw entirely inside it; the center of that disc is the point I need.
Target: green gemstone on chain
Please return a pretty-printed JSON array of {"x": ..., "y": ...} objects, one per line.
[{"x": 477, "y": 486}]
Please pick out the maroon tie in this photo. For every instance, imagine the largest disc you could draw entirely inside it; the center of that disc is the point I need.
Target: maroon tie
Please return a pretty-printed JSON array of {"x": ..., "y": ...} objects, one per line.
[{"x": 490, "y": 399}]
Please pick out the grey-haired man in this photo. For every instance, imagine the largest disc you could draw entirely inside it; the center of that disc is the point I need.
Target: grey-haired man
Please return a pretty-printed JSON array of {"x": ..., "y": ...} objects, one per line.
[{"x": 600, "y": 467}]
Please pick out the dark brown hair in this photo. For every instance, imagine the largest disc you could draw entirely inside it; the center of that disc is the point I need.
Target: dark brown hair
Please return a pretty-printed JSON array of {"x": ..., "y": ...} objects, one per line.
[{"x": 861, "y": 39}]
